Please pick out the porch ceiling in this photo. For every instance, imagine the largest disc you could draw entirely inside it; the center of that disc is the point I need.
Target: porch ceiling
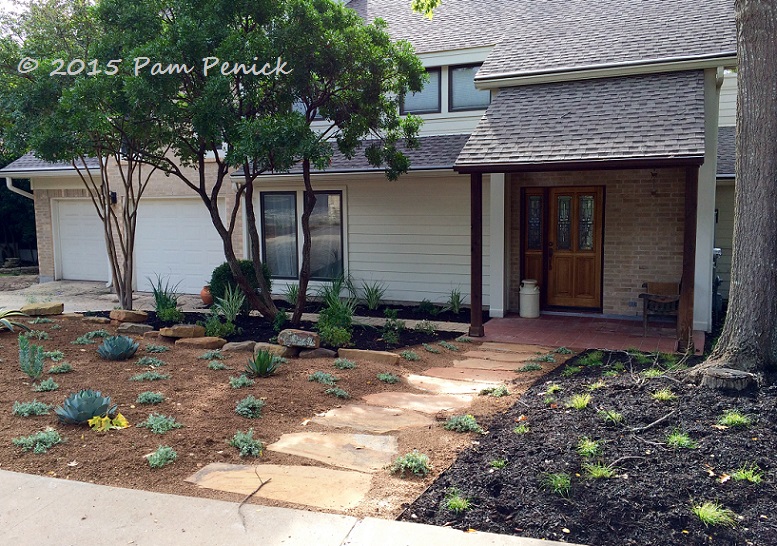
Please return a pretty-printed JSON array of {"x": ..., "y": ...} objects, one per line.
[{"x": 657, "y": 118}]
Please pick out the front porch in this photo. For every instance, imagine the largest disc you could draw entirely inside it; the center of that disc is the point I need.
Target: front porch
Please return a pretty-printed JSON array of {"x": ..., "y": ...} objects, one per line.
[{"x": 580, "y": 332}]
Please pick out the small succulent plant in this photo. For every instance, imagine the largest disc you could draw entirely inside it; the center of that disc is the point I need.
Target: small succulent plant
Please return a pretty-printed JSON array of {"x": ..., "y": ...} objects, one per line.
[
  {"x": 117, "y": 348},
  {"x": 263, "y": 364},
  {"x": 81, "y": 406}
]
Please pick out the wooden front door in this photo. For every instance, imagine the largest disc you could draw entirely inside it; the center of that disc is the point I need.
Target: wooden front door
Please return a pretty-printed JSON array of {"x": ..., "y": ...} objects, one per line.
[{"x": 563, "y": 244}]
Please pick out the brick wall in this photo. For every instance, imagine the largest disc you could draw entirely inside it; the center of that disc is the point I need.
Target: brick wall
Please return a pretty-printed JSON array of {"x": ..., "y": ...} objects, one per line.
[{"x": 643, "y": 230}]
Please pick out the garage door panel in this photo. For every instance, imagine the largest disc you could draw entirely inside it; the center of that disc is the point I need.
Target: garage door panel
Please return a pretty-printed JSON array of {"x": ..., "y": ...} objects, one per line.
[
  {"x": 176, "y": 240},
  {"x": 81, "y": 242}
]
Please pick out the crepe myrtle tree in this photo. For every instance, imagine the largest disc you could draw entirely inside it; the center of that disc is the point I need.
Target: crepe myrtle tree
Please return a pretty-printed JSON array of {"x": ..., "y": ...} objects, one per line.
[
  {"x": 78, "y": 119},
  {"x": 335, "y": 64}
]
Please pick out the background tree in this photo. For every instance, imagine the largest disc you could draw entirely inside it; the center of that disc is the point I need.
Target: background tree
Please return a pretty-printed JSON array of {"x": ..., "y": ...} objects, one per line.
[{"x": 748, "y": 341}]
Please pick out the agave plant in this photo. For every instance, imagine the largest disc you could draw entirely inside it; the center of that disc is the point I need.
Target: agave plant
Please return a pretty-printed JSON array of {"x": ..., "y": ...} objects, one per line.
[
  {"x": 83, "y": 405},
  {"x": 117, "y": 348},
  {"x": 5, "y": 319},
  {"x": 263, "y": 364}
]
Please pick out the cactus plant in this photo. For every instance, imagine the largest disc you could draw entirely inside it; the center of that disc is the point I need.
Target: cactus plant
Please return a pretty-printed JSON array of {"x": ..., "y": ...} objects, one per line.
[
  {"x": 81, "y": 406},
  {"x": 117, "y": 348}
]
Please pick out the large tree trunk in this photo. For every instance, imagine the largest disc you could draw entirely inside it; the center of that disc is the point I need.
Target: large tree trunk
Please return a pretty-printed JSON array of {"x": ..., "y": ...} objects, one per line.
[
  {"x": 304, "y": 271},
  {"x": 749, "y": 338}
]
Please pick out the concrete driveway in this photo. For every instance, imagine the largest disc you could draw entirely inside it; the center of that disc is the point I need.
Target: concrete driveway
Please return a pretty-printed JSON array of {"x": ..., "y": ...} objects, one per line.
[{"x": 80, "y": 296}]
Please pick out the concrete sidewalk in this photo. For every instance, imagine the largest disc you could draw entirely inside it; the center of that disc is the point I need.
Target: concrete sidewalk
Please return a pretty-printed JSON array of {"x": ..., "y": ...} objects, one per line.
[{"x": 48, "y": 511}]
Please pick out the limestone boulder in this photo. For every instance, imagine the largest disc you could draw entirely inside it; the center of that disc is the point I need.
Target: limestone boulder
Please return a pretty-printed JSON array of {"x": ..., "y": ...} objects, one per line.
[
  {"x": 123, "y": 315},
  {"x": 279, "y": 350},
  {"x": 133, "y": 328},
  {"x": 201, "y": 342},
  {"x": 379, "y": 357},
  {"x": 179, "y": 331},
  {"x": 239, "y": 347},
  {"x": 317, "y": 353},
  {"x": 96, "y": 320},
  {"x": 299, "y": 338},
  {"x": 43, "y": 309}
]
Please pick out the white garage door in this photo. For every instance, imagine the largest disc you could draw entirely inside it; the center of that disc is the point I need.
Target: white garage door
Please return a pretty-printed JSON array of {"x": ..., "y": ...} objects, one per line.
[
  {"x": 80, "y": 252},
  {"x": 175, "y": 239}
]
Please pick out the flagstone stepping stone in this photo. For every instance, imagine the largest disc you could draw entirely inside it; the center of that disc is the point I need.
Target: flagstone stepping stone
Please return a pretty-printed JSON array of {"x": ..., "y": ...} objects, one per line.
[
  {"x": 379, "y": 357},
  {"x": 470, "y": 374},
  {"x": 448, "y": 386},
  {"x": 362, "y": 452},
  {"x": 425, "y": 403},
  {"x": 372, "y": 418},
  {"x": 314, "y": 486},
  {"x": 480, "y": 364},
  {"x": 503, "y": 357},
  {"x": 514, "y": 347}
]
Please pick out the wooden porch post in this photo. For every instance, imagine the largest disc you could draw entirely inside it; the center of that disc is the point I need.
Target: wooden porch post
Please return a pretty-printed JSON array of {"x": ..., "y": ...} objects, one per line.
[
  {"x": 685, "y": 318},
  {"x": 476, "y": 255}
]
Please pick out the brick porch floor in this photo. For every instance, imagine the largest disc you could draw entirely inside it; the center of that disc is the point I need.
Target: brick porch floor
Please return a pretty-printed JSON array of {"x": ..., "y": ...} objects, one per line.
[{"x": 585, "y": 333}]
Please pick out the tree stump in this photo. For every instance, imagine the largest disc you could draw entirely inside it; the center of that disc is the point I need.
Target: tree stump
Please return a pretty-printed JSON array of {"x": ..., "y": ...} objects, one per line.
[{"x": 728, "y": 378}]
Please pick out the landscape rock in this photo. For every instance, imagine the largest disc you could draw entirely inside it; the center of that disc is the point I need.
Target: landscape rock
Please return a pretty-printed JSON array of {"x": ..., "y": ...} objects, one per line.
[
  {"x": 239, "y": 347},
  {"x": 318, "y": 353},
  {"x": 299, "y": 338},
  {"x": 133, "y": 328},
  {"x": 43, "y": 309},
  {"x": 123, "y": 315},
  {"x": 183, "y": 331},
  {"x": 72, "y": 316},
  {"x": 96, "y": 320},
  {"x": 379, "y": 357},
  {"x": 201, "y": 342},
  {"x": 279, "y": 350}
]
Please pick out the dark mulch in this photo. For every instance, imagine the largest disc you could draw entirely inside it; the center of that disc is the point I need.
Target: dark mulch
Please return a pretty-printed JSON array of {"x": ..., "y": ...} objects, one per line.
[
  {"x": 649, "y": 501},
  {"x": 260, "y": 329}
]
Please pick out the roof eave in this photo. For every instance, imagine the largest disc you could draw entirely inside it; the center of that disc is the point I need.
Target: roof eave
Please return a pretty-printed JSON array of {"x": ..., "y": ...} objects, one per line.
[
  {"x": 578, "y": 165},
  {"x": 626, "y": 68}
]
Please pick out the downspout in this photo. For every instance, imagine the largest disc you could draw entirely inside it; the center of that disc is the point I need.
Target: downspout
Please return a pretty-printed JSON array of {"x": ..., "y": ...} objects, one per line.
[{"x": 19, "y": 191}]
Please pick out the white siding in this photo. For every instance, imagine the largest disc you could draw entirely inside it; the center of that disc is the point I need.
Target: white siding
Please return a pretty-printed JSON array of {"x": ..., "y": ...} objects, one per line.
[
  {"x": 728, "y": 101},
  {"x": 414, "y": 235}
]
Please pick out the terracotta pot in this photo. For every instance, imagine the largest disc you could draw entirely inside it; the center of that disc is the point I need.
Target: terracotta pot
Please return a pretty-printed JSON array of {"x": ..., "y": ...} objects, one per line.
[{"x": 206, "y": 296}]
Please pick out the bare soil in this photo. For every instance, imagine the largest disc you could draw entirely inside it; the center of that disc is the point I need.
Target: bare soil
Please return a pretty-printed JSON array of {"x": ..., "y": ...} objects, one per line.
[
  {"x": 202, "y": 400},
  {"x": 648, "y": 501}
]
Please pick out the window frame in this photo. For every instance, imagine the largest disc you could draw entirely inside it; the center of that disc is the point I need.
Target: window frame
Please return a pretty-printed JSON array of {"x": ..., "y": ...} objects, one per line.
[
  {"x": 264, "y": 231},
  {"x": 451, "y": 108},
  {"x": 438, "y": 110}
]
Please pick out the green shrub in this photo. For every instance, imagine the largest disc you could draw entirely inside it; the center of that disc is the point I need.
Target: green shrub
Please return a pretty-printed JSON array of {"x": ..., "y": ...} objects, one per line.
[
  {"x": 215, "y": 328},
  {"x": 344, "y": 364},
  {"x": 30, "y": 358},
  {"x": 40, "y": 320},
  {"x": 497, "y": 463},
  {"x": 323, "y": 378},
  {"x": 241, "y": 381},
  {"x": 411, "y": 356},
  {"x": 230, "y": 304},
  {"x": 393, "y": 327},
  {"x": 426, "y": 307},
  {"x": 170, "y": 315},
  {"x": 334, "y": 336},
  {"x": 593, "y": 358},
  {"x": 449, "y": 346},
  {"x": 280, "y": 320},
  {"x": 263, "y": 364},
  {"x": 159, "y": 423},
  {"x": 579, "y": 401},
  {"x": 246, "y": 444},
  {"x": 47, "y": 385},
  {"x": 387, "y": 377},
  {"x": 414, "y": 463},
  {"x": 64, "y": 367},
  {"x": 523, "y": 428},
  {"x": 426, "y": 327},
  {"x": 569, "y": 371},
  {"x": 148, "y": 397},
  {"x": 81, "y": 406},
  {"x": 337, "y": 392},
  {"x": 250, "y": 407},
  {"x": 222, "y": 277},
  {"x": 149, "y": 376},
  {"x": 430, "y": 349},
  {"x": 497, "y": 392},
  {"x": 164, "y": 455},
  {"x": 455, "y": 302},
  {"x": 373, "y": 294},
  {"x": 463, "y": 423},
  {"x": 27, "y": 409},
  {"x": 40, "y": 442}
]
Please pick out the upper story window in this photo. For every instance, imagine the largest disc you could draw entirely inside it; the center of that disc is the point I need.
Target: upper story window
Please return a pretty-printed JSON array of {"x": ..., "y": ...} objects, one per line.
[
  {"x": 426, "y": 101},
  {"x": 462, "y": 92}
]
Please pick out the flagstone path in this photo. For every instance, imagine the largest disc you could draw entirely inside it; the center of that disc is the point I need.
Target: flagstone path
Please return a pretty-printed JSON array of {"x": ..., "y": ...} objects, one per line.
[{"x": 372, "y": 448}]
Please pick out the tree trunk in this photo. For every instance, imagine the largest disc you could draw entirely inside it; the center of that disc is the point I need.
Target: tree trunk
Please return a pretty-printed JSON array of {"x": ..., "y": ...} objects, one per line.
[
  {"x": 749, "y": 338},
  {"x": 253, "y": 235},
  {"x": 304, "y": 271}
]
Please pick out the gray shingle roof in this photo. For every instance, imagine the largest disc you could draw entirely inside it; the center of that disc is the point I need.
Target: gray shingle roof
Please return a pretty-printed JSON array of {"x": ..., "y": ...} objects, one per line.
[
  {"x": 552, "y": 35},
  {"x": 435, "y": 152},
  {"x": 29, "y": 163},
  {"x": 658, "y": 116},
  {"x": 726, "y": 151}
]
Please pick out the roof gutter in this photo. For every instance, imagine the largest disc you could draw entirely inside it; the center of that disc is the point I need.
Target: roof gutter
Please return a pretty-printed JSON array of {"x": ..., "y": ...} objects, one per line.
[
  {"x": 18, "y": 191},
  {"x": 589, "y": 72}
]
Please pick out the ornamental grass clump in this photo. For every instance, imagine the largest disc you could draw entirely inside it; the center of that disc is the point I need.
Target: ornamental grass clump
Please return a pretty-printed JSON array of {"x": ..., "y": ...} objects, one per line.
[
  {"x": 456, "y": 502},
  {"x": 559, "y": 483},
  {"x": 678, "y": 439},
  {"x": 598, "y": 471},
  {"x": 733, "y": 418},
  {"x": 748, "y": 473},
  {"x": 713, "y": 514},
  {"x": 579, "y": 401}
]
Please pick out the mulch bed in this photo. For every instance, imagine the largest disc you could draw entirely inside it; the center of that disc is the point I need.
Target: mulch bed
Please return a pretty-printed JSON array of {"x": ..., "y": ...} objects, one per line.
[{"x": 649, "y": 500}]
